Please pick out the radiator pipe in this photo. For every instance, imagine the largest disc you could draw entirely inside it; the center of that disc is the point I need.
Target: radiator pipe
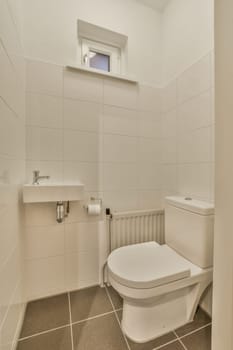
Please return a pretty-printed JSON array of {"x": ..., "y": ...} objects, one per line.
[{"x": 109, "y": 217}]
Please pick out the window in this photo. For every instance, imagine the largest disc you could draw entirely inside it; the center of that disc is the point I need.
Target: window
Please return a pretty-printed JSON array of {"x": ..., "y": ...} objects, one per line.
[
  {"x": 101, "y": 56},
  {"x": 99, "y": 60}
]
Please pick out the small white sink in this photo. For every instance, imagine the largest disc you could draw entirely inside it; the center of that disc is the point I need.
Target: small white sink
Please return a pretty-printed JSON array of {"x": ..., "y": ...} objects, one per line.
[{"x": 52, "y": 193}]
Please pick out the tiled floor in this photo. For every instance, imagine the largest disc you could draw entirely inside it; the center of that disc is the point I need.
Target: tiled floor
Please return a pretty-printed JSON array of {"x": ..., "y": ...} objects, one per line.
[{"x": 90, "y": 319}]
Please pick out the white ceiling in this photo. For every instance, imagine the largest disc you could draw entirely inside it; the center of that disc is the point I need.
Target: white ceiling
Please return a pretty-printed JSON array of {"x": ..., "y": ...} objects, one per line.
[{"x": 155, "y": 4}]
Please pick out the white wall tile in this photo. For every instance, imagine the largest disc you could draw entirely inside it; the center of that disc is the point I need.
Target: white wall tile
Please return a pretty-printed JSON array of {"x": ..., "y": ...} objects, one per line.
[
  {"x": 169, "y": 100},
  {"x": 8, "y": 83},
  {"x": 202, "y": 149},
  {"x": 8, "y": 34},
  {"x": 45, "y": 78},
  {"x": 150, "y": 99},
  {"x": 51, "y": 144},
  {"x": 149, "y": 126},
  {"x": 81, "y": 146},
  {"x": 83, "y": 172},
  {"x": 12, "y": 174},
  {"x": 44, "y": 144},
  {"x": 83, "y": 86},
  {"x": 149, "y": 199},
  {"x": 194, "y": 180},
  {"x": 81, "y": 270},
  {"x": 81, "y": 115},
  {"x": 194, "y": 80},
  {"x": 169, "y": 174},
  {"x": 169, "y": 124},
  {"x": 150, "y": 150},
  {"x": 122, "y": 94},
  {"x": 150, "y": 176},
  {"x": 81, "y": 237},
  {"x": 44, "y": 110},
  {"x": 123, "y": 200},
  {"x": 8, "y": 226},
  {"x": 10, "y": 126},
  {"x": 44, "y": 241},
  {"x": 120, "y": 121},
  {"x": 10, "y": 274},
  {"x": 118, "y": 176},
  {"x": 33, "y": 143},
  {"x": 119, "y": 148},
  {"x": 195, "y": 146},
  {"x": 169, "y": 154},
  {"x": 8, "y": 332},
  {"x": 45, "y": 277},
  {"x": 195, "y": 113}
]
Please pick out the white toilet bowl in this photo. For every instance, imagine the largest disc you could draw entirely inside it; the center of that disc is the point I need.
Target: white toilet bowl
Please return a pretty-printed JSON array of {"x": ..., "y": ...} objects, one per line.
[
  {"x": 160, "y": 287},
  {"x": 161, "y": 290}
]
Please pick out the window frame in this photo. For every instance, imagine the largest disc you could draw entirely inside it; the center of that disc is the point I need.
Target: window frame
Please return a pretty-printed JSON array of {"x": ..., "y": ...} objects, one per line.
[{"x": 114, "y": 54}]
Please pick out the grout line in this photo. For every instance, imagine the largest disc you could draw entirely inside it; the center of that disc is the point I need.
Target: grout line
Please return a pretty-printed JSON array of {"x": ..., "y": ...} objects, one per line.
[
  {"x": 16, "y": 115},
  {"x": 108, "y": 313},
  {"x": 195, "y": 330},
  {"x": 69, "y": 324},
  {"x": 163, "y": 345},
  {"x": 182, "y": 344},
  {"x": 93, "y": 317},
  {"x": 177, "y": 76},
  {"x": 44, "y": 332},
  {"x": 176, "y": 334},
  {"x": 71, "y": 328},
  {"x": 118, "y": 321}
]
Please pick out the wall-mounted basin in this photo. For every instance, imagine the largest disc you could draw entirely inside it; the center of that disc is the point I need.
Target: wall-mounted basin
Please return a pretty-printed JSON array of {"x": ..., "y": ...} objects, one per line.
[{"x": 53, "y": 193}]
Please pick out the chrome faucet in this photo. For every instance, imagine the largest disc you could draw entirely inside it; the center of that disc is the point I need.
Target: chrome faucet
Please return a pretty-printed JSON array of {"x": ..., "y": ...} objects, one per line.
[{"x": 37, "y": 177}]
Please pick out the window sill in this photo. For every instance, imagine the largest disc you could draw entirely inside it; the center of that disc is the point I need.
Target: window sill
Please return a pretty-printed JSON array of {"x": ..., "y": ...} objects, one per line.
[{"x": 102, "y": 73}]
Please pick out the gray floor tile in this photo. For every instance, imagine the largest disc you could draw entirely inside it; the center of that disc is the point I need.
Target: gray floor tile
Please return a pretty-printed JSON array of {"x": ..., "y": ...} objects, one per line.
[
  {"x": 88, "y": 303},
  {"x": 173, "y": 346},
  {"x": 200, "y": 340},
  {"x": 116, "y": 298},
  {"x": 201, "y": 319},
  {"x": 59, "y": 339},
  {"x": 102, "y": 333},
  {"x": 45, "y": 314},
  {"x": 153, "y": 343}
]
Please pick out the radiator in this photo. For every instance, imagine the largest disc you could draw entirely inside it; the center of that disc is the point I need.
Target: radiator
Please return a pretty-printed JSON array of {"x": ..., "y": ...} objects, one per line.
[{"x": 136, "y": 227}]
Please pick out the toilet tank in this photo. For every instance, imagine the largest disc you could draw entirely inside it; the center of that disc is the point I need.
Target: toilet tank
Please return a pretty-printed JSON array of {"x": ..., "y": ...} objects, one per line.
[{"x": 189, "y": 229}]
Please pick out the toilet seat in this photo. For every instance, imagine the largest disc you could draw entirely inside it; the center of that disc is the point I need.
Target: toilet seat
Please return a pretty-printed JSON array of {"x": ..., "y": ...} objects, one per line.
[{"x": 147, "y": 265}]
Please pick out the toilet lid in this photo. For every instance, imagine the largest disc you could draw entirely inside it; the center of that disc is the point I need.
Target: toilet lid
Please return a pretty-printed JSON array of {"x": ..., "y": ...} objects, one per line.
[{"x": 147, "y": 265}]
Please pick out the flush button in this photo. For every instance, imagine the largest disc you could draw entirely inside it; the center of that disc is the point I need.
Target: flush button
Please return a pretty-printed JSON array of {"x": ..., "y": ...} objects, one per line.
[{"x": 188, "y": 198}]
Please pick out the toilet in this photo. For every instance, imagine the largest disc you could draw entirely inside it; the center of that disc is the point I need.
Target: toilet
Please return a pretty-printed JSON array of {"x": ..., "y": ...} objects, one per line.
[{"x": 161, "y": 285}]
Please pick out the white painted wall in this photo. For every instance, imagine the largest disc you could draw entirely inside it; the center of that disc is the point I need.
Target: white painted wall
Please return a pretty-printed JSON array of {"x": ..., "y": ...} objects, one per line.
[
  {"x": 50, "y": 31},
  {"x": 12, "y": 172},
  {"x": 187, "y": 35},
  {"x": 223, "y": 276}
]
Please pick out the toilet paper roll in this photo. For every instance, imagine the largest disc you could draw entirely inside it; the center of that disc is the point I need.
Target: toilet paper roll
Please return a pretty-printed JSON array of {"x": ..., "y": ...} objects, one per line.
[{"x": 93, "y": 209}]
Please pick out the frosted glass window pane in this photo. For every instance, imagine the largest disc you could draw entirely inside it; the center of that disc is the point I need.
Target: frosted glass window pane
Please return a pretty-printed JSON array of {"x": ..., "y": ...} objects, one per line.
[{"x": 99, "y": 61}]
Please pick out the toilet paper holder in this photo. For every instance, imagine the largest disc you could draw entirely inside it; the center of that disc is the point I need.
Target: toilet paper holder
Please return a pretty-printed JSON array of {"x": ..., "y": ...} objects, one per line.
[{"x": 94, "y": 199}]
